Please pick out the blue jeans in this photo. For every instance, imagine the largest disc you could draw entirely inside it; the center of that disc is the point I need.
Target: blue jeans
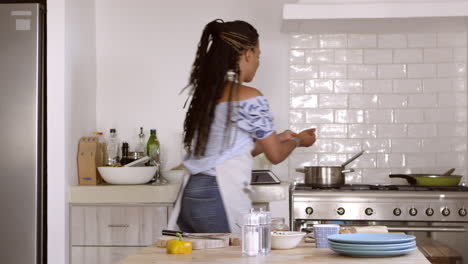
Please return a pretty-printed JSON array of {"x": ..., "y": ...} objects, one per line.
[{"x": 202, "y": 209}]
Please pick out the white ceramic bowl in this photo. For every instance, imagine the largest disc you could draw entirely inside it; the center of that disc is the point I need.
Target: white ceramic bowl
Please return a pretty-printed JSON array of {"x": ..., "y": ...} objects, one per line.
[
  {"x": 127, "y": 175},
  {"x": 173, "y": 176},
  {"x": 285, "y": 239}
]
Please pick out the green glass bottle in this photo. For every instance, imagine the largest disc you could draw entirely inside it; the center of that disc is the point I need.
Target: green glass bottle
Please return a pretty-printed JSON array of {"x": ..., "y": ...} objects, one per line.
[{"x": 153, "y": 147}]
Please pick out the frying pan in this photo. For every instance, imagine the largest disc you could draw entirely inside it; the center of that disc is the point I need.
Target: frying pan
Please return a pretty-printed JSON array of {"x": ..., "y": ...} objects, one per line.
[{"x": 429, "y": 179}]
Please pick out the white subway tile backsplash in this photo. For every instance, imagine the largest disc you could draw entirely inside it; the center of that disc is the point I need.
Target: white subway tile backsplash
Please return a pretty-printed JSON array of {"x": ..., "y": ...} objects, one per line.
[
  {"x": 346, "y": 56},
  {"x": 391, "y": 160},
  {"x": 322, "y": 146},
  {"x": 319, "y": 56},
  {"x": 416, "y": 160},
  {"x": 318, "y": 86},
  {"x": 408, "y": 56},
  {"x": 303, "y": 71},
  {"x": 391, "y": 71},
  {"x": 303, "y": 101},
  {"x": 424, "y": 40},
  {"x": 459, "y": 54},
  {"x": 347, "y": 145},
  {"x": 407, "y": 86},
  {"x": 422, "y": 130},
  {"x": 451, "y": 69},
  {"x": 422, "y": 70},
  {"x": 438, "y": 55},
  {"x": 333, "y": 101},
  {"x": 391, "y": 130},
  {"x": 362, "y": 41},
  {"x": 332, "y": 71},
  {"x": 348, "y": 86},
  {"x": 349, "y": 116},
  {"x": 332, "y": 131},
  {"x": 435, "y": 145},
  {"x": 403, "y": 145},
  {"x": 375, "y": 56},
  {"x": 422, "y": 100},
  {"x": 409, "y": 116},
  {"x": 452, "y": 99},
  {"x": 332, "y": 41},
  {"x": 296, "y": 87},
  {"x": 393, "y": 101},
  {"x": 377, "y": 86},
  {"x": 362, "y": 131},
  {"x": 378, "y": 116},
  {"x": 436, "y": 85},
  {"x": 319, "y": 116},
  {"x": 297, "y": 57},
  {"x": 452, "y": 159},
  {"x": 367, "y": 160},
  {"x": 440, "y": 115},
  {"x": 459, "y": 84},
  {"x": 452, "y": 130},
  {"x": 363, "y": 101},
  {"x": 392, "y": 41},
  {"x": 400, "y": 97},
  {"x": 304, "y": 41},
  {"x": 451, "y": 39},
  {"x": 359, "y": 71},
  {"x": 331, "y": 159},
  {"x": 376, "y": 145},
  {"x": 296, "y": 116}
]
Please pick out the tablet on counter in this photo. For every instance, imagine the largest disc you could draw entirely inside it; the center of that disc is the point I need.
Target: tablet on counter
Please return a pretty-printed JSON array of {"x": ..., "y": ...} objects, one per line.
[{"x": 264, "y": 177}]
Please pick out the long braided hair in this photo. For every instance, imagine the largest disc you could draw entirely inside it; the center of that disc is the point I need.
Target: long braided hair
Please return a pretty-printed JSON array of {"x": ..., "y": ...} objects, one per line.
[{"x": 218, "y": 53}]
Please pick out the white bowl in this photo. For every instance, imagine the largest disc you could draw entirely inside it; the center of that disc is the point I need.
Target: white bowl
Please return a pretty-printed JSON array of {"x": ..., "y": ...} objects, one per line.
[
  {"x": 173, "y": 176},
  {"x": 127, "y": 175},
  {"x": 285, "y": 239}
]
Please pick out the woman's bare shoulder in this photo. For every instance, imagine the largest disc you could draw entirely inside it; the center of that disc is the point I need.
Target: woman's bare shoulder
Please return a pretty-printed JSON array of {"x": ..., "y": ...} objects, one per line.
[{"x": 246, "y": 92}]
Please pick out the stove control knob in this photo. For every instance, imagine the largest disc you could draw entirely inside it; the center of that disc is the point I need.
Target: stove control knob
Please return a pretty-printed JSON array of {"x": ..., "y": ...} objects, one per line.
[
  {"x": 445, "y": 212},
  {"x": 429, "y": 211},
  {"x": 413, "y": 211},
  {"x": 462, "y": 212},
  {"x": 369, "y": 211},
  {"x": 397, "y": 211},
  {"x": 309, "y": 210},
  {"x": 340, "y": 211}
]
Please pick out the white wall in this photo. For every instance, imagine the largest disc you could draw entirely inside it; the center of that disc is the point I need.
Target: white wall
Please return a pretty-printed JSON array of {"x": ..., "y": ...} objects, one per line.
[
  {"x": 71, "y": 95},
  {"x": 145, "y": 50}
]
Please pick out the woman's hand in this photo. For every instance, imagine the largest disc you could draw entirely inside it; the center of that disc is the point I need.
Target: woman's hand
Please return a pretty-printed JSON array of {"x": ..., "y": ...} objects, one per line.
[
  {"x": 307, "y": 137},
  {"x": 286, "y": 135}
]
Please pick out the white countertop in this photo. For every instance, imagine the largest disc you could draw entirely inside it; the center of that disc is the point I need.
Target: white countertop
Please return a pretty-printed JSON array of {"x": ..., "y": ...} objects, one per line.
[{"x": 148, "y": 193}]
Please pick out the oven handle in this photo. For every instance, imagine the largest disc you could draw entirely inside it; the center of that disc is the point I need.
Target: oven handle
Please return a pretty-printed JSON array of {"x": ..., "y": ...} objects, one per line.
[{"x": 426, "y": 228}]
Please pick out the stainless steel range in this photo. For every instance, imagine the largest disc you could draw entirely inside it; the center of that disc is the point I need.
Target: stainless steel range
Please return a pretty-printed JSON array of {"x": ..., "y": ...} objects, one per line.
[{"x": 438, "y": 213}]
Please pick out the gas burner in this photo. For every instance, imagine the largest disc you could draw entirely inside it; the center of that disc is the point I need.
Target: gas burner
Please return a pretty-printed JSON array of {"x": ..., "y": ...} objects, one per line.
[{"x": 382, "y": 187}]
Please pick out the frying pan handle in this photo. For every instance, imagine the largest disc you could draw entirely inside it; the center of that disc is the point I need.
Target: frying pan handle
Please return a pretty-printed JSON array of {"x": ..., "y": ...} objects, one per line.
[
  {"x": 410, "y": 179},
  {"x": 302, "y": 170}
]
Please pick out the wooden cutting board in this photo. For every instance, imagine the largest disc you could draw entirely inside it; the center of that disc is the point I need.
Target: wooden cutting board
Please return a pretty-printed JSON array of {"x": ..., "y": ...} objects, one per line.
[{"x": 199, "y": 243}]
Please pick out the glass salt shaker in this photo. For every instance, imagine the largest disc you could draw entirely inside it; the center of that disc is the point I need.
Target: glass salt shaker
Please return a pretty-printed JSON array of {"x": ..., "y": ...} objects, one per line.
[
  {"x": 265, "y": 232},
  {"x": 251, "y": 234}
]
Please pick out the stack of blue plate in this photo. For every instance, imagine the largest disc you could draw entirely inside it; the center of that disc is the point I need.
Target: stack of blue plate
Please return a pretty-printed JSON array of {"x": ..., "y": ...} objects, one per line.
[{"x": 372, "y": 245}]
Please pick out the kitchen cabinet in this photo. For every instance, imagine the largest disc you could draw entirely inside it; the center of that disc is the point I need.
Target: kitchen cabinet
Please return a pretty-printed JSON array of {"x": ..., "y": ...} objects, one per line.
[{"x": 106, "y": 233}]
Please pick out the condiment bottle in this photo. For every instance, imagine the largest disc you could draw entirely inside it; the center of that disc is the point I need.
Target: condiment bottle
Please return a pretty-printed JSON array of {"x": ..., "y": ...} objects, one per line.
[
  {"x": 265, "y": 231},
  {"x": 113, "y": 148},
  {"x": 251, "y": 234},
  {"x": 125, "y": 159},
  {"x": 140, "y": 147}
]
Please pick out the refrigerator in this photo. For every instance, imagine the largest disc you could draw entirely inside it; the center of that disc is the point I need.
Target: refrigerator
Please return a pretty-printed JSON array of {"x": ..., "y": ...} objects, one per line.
[{"x": 23, "y": 209}]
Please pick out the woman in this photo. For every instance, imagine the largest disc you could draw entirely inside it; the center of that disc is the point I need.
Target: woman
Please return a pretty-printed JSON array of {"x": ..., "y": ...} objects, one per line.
[{"x": 226, "y": 124}]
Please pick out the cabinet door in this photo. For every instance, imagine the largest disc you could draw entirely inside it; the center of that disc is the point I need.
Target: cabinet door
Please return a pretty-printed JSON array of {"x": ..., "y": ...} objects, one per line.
[
  {"x": 117, "y": 225},
  {"x": 101, "y": 255}
]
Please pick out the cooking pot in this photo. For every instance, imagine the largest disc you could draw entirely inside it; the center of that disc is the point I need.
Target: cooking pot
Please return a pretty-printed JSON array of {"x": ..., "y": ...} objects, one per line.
[
  {"x": 326, "y": 176},
  {"x": 429, "y": 179}
]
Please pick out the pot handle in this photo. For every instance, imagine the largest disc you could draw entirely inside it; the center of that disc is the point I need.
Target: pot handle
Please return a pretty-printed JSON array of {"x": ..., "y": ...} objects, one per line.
[
  {"x": 347, "y": 171},
  {"x": 302, "y": 170},
  {"x": 410, "y": 179}
]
